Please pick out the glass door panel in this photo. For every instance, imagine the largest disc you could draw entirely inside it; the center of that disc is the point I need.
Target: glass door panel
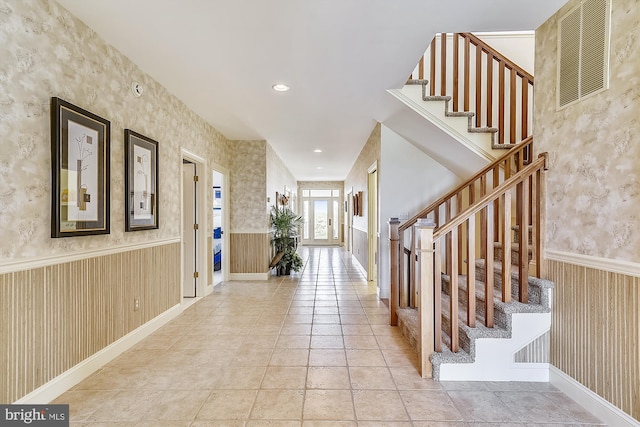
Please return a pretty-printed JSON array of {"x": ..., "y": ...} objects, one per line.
[{"x": 320, "y": 220}]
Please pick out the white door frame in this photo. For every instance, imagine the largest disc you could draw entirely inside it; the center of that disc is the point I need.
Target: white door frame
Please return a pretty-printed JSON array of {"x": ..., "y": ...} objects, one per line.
[
  {"x": 203, "y": 287},
  {"x": 349, "y": 221},
  {"x": 372, "y": 220},
  {"x": 226, "y": 222}
]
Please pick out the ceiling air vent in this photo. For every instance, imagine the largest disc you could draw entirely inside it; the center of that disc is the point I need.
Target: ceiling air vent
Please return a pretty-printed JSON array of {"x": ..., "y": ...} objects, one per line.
[{"x": 583, "y": 51}]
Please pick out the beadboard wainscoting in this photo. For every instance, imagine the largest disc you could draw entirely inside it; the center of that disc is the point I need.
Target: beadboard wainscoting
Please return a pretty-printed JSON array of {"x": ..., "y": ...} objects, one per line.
[
  {"x": 361, "y": 247},
  {"x": 55, "y": 316},
  {"x": 250, "y": 255},
  {"x": 595, "y": 330}
]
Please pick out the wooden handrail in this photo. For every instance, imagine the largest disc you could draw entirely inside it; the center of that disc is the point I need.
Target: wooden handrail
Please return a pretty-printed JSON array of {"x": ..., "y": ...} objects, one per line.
[
  {"x": 488, "y": 49},
  {"x": 517, "y": 148},
  {"x": 507, "y": 185}
]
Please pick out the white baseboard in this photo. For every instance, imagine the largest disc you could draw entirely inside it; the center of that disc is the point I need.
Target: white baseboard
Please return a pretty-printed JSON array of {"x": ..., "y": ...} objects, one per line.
[
  {"x": 248, "y": 276},
  {"x": 597, "y": 405},
  {"x": 63, "y": 382}
]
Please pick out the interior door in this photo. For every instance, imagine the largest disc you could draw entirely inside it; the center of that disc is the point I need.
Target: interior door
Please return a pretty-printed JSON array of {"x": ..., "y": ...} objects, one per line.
[
  {"x": 320, "y": 224},
  {"x": 189, "y": 282}
]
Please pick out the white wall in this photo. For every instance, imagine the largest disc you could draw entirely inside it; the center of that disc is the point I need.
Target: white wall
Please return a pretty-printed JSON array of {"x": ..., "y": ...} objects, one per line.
[
  {"x": 409, "y": 180},
  {"x": 518, "y": 46}
]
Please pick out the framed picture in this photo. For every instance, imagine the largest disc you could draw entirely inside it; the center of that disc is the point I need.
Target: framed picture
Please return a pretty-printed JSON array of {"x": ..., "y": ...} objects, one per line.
[
  {"x": 80, "y": 160},
  {"x": 140, "y": 181}
]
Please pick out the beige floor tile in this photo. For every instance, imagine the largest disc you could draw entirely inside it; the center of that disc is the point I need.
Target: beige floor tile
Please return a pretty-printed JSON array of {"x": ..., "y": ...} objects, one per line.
[
  {"x": 252, "y": 357},
  {"x": 384, "y": 424},
  {"x": 273, "y": 423},
  {"x": 393, "y": 342},
  {"x": 326, "y": 330},
  {"x": 379, "y": 405},
  {"x": 260, "y": 341},
  {"x": 285, "y": 377},
  {"x": 327, "y": 341},
  {"x": 335, "y": 405},
  {"x": 329, "y": 424},
  {"x": 296, "y": 329},
  {"x": 328, "y": 377},
  {"x": 357, "y": 330},
  {"x": 400, "y": 358},
  {"x": 278, "y": 405},
  {"x": 157, "y": 423},
  {"x": 327, "y": 358},
  {"x": 408, "y": 378},
  {"x": 331, "y": 319},
  {"x": 228, "y": 405},
  {"x": 430, "y": 405},
  {"x": 293, "y": 341},
  {"x": 360, "y": 342},
  {"x": 83, "y": 403},
  {"x": 128, "y": 406},
  {"x": 241, "y": 377},
  {"x": 365, "y": 358},
  {"x": 176, "y": 405},
  {"x": 371, "y": 377},
  {"x": 289, "y": 357},
  {"x": 354, "y": 319}
]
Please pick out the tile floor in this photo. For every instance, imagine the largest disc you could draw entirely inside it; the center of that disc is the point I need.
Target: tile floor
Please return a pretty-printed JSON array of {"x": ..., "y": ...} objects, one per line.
[{"x": 309, "y": 350}]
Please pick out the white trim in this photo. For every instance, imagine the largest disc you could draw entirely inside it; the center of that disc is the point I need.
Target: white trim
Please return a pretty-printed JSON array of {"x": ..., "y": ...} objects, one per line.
[
  {"x": 594, "y": 403},
  {"x": 249, "y": 276},
  {"x": 442, "y": 124},
  {"x": 612, "y": 265},
  {"x": 63, "y": 382},
  {"x": 28, "y": 264}
]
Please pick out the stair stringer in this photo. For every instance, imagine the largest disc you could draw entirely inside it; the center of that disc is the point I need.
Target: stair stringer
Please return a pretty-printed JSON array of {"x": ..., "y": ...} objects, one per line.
[
  {"x": 495, "y": 357},
  {"x": 456, "y": 126}
]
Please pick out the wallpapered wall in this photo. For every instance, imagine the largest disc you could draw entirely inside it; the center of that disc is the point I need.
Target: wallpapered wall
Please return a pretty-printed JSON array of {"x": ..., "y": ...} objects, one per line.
[
  {"x": 278, "y": 176},
  {"x": 594, "y": 156},
  {"x": 247, "y": 188},
  {"x": 48, "y": 52},
  {"x": 358, "y": 175}
]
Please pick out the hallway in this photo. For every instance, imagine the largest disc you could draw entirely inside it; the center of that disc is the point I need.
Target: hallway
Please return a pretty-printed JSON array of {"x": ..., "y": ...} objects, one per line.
[{"x": 313, "y": 349}]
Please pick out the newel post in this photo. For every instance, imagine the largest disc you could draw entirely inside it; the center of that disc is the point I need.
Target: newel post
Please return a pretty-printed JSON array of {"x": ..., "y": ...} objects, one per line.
[
  {"x": 426, "y": 315},
  {"x": 394, "y": 249}
]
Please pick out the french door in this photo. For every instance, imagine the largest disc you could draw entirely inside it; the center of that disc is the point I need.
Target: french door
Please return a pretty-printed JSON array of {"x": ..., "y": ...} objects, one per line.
[{"x": 321, "y": 217}]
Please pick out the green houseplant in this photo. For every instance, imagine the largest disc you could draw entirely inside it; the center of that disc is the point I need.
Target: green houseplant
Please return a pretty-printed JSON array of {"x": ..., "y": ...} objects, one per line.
[{"x": 285, "y": 224}]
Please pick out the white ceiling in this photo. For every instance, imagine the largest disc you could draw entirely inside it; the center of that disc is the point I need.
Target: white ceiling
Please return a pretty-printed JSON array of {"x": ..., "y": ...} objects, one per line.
[{"x": 221, "y": 57}]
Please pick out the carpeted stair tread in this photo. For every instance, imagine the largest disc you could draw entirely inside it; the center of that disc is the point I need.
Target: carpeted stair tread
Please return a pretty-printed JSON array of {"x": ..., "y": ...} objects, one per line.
[
  {"x": 417, "y": 82},
  {"x": 508, "y": 308},
  {"x": 480, "y": 331},
  {"x": 533, "y": 281},
  {"x": 514, "y": 246},
  {"x": 483, "y": 129}
]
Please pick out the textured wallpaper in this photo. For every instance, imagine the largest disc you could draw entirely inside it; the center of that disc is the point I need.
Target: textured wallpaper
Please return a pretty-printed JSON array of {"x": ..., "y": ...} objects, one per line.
[
  {"x": 278, "y": 175},
  {"x": 248, "y": 187},
  {"x": 358, "y": 176},
  {"x": 593, "y": 204},
  {"x": 48, "y": 52}
]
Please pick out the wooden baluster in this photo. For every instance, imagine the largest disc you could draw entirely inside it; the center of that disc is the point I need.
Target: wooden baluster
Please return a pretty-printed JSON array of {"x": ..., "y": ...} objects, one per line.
[
  {"x": 512, "y": 107},
  {"x": 525, "y": 109},
  {"x": 489, "y": 90},
  {"x": 426, "y": 316},
  {"x": 447, "y": 240},
  {"x": 523, "y": 224},
  {"x": 541, "y": 186},
  {"x": 456, "y": 60},
  {"x": 506, "y": 247},
  {"x": 478, "y": 86},
  {"x": 460, "y": 242},
  {"x": 471, "y": 276},
  {"x": 496, "y": 208},
  {"x": 488, "y": 263},
  {"x": 421, "y": 68},
  {"x": 501, "y": 96},
  {"x": 466, "y": 74},
  {"x": 483, "y": 218},
  {"x": 412, "y": 269},
  {"x": 432, "y": 68},
  {"x": 443, "y": 64},
  {"x": 403, "y": 275},
  {"x": 394, "y": 248},
  {"x": 437, "y": 294},
  {"x": 436, "y": 216},
  {"x": 453, "y": 292}
]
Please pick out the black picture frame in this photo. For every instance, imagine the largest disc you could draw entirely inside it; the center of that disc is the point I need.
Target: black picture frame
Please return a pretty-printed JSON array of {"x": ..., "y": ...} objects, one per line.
[
  {"x": 80, "y": 166},
  {"x": 140, "y": 182}
]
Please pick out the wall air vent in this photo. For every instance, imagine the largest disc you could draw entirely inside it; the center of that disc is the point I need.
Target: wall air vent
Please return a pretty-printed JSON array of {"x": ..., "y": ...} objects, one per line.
[{"x": 583, "y": 51}]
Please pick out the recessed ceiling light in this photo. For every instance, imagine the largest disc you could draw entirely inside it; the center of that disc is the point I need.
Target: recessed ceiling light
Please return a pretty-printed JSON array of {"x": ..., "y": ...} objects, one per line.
[
  {"x": 317, "y": 150},
  {"x": 280, "y": 87},
  {"x": 319, "y": 167}
]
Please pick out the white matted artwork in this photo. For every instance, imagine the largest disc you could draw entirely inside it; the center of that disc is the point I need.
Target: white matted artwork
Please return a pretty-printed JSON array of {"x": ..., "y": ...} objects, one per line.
[{"x": 141, "y": 180}]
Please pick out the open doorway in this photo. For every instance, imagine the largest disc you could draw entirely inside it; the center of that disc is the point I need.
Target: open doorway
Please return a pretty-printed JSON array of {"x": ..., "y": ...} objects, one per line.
[{"x": 219, "y": 246}]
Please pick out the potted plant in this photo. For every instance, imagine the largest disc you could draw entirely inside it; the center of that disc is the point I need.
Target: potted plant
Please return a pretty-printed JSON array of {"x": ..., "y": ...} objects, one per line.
[{"x": 285, "y": 224}]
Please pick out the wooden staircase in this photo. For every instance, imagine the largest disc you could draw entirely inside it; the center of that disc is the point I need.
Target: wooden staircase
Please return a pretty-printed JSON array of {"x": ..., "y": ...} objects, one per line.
[{"x": 465, "y": 271}]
